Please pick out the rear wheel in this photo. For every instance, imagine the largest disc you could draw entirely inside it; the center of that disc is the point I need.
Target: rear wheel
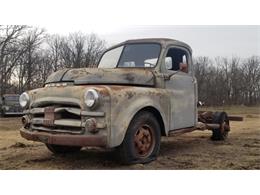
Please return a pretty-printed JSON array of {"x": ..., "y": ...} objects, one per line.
[
  {"x": 221, "y": 133},
  {"x": 60, "y": 149},
  {"x": 142, "y": 140}
]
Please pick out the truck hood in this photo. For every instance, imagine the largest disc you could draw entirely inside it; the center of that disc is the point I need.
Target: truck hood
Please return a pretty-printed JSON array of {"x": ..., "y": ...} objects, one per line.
[{"x": 124, "y": 76}]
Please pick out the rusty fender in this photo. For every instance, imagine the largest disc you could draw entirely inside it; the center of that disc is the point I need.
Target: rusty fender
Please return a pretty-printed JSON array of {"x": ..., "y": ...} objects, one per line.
[{"x": 126, "y": 101}]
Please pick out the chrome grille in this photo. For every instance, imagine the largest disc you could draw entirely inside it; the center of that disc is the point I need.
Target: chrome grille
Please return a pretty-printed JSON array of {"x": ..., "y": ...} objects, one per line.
[{"x": 58, "y": 118}]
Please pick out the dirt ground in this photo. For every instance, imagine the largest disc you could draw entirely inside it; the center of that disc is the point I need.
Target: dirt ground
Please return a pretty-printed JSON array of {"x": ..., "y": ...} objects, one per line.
[{"x": 188, "y": 151}]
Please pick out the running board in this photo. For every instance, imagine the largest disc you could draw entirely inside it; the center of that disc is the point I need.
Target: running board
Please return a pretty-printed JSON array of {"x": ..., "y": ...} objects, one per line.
[{"x": 180, "y": 131}]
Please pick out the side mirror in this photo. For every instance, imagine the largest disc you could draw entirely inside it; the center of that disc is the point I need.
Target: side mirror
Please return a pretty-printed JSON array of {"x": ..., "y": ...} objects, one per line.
[{"x": 168, "y": 63}]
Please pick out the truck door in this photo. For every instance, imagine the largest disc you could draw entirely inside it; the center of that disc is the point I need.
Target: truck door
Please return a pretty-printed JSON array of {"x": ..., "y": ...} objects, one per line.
[{"x": 181, "y": 85}]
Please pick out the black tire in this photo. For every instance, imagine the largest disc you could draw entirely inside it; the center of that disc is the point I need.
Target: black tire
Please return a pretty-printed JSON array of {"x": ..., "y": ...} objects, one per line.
[
  {"x": 222, "y": 132},
  {"x": 142, "y": 140},
  {"x": 60, "y": 149}
]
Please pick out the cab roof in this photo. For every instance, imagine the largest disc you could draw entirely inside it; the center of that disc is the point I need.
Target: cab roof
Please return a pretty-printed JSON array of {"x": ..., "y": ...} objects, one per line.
[{"x": 163, "y": 41}]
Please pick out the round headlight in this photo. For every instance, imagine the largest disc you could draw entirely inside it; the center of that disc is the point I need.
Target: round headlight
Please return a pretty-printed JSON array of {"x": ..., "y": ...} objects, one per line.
[
  {"x": 91, "y": 98},
  {"x": 24, "y": 100}
]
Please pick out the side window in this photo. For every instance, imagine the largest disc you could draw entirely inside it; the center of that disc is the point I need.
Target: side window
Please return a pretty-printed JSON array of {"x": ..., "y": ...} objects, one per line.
[{"x": 177, "y": 60}]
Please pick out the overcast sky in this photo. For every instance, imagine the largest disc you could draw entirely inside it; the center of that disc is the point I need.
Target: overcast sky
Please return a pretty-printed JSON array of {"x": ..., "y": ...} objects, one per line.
[{"x": 205, "y": 40}]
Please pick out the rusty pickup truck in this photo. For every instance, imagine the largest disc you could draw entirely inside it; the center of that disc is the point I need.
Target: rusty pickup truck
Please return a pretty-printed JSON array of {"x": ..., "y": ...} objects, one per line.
[{"x": 142, "y": 89}]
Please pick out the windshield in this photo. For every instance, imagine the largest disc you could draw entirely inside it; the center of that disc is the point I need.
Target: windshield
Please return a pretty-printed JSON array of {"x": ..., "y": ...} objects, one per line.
[{"x": 131, "y": 55}]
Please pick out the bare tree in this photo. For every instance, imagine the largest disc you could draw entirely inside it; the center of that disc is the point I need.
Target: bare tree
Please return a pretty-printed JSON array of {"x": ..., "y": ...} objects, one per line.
[
  {"x": 78, "y": 50},
  {"x": 72, "y": 50},
  {"x": 251, "y": 79},
  {"x": 10, "y": 52},
  {"x": 54, "y": 47},
  {"x": 228, "y": 80},
  {"x": 28, "y": 55},
  {"x": 31, "y": 44},
  {"x": 95, "y": 47},
  {"x": 201, "y": 65}
]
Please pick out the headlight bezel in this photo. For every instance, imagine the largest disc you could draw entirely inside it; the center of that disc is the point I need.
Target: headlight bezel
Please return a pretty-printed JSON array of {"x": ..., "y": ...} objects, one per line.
[
  {"x": 91, "y": 98},
  {"x": 24, "y": 100}
]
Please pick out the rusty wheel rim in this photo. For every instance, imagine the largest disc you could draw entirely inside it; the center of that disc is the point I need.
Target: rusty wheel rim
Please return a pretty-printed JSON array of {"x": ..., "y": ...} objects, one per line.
[
  {"x": 224, "y": 128},
  {"x": 144, "y": 141}
]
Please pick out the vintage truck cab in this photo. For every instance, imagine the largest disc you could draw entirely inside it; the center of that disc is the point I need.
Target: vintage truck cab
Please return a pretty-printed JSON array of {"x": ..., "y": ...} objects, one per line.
[{"x": 142, "y": 89}]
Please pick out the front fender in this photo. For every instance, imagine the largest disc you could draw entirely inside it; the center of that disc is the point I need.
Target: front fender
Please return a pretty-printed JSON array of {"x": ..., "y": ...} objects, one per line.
[{"x": 127, "y": 101}]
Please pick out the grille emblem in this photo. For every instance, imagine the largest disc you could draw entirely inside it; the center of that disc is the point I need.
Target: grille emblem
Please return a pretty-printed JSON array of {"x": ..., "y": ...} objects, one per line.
[{"x": 49, "y": 116}]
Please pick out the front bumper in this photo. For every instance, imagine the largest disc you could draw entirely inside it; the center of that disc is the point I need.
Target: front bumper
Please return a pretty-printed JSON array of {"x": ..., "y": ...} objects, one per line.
[{"x": 64, "y": 139}]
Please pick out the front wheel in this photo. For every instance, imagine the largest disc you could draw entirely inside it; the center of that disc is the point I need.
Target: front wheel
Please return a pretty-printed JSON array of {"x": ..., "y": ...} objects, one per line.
[
  {"x": 60, "y": 149},
  {"x": 142, "y": 140}
]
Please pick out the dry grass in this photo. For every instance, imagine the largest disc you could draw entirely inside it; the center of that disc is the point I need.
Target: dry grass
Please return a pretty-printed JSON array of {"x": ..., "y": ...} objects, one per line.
[
  {"x": 240, "y": 110},
  {"x": 189, "y": 151}
]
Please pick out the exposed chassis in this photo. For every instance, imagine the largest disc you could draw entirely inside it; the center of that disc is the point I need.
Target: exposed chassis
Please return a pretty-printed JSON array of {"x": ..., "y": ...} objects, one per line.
[{"x": 205, "y": 122}]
